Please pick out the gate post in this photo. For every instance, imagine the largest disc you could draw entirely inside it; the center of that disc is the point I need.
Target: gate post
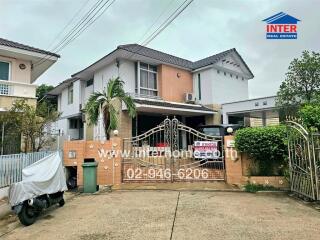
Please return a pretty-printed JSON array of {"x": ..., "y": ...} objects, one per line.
[{"x": 233, "y": 163}]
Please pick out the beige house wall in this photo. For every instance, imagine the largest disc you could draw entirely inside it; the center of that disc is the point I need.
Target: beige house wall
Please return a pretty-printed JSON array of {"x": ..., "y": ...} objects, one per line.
[
  {"x": 214, "y": 118},
  {"x": 17, "y": 74},
  {"x": 6, "y": 102}
]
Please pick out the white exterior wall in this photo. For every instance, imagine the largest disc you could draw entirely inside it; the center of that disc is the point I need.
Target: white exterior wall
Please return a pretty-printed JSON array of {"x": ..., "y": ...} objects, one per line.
[
  {"x": 216, "y": 88},
  {"x": 126, "y": 72},
  {"x": 70, "y": 109},
  {"x": 227, "y": 89}
]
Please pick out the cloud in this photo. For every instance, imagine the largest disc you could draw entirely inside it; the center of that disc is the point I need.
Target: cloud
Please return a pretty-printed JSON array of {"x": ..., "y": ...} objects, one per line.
[{"x": 205, "y": 28}]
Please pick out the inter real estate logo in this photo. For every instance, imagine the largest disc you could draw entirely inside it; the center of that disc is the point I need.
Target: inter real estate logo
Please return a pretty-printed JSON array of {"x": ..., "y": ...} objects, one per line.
[{"x": 281, "y": 26}]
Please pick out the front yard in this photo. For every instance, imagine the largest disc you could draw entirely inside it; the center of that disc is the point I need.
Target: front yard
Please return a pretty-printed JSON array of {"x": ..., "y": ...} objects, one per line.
[{"x": 172, "y": 215}]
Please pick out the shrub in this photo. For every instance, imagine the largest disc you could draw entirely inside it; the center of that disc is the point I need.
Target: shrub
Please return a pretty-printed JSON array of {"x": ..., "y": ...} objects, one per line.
[
  {"x": 253, "y": 188},
  {"x": 266, "y": 147},
  {"x": 310, "y": 116}
]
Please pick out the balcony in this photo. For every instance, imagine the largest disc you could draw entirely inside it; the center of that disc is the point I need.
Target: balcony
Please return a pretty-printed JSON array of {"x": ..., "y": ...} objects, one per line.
[
  {"x": 17, "y": 89},
  {"x": 137, "y": 95}
]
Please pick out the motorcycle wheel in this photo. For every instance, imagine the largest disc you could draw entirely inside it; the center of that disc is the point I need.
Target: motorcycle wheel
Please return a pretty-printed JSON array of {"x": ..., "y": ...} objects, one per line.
[
  {"x": 61, "y": 202},
  {"x": 28, "y": 215}
]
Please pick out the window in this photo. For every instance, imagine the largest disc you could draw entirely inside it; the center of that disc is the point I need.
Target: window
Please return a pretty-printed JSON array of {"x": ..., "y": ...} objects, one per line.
[
  {"x": 199, "y": 86},
  {"x": 148, "y": 79},
  {"x": 70, "y": 94},
  {"x": 89, "y": 82},
  {"x": 4, "y": 71},
  {"x": 225, "y": 73},
  {"x": 73, "y": 123},
  {"x": 230, "y": 75},
  {"x": 218, "y": 71}
]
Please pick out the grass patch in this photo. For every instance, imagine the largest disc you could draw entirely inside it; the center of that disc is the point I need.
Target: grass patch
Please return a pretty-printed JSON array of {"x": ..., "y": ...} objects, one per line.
[{"x": 253, "y": 188}]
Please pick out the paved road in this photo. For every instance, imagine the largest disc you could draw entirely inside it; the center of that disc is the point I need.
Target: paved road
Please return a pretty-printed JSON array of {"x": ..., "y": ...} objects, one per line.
[{"x": 173, "y": 215}]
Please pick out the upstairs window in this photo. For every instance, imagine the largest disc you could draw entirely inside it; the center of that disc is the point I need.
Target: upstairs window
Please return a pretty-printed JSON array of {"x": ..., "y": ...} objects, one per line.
[
  {"x": 199, "y": 86},
  {"x": 70, "y": 94},
  {"x": 148, "y": 79},
  {"x": 89, "y": 82},
  {"x": 4, "y": 71}
]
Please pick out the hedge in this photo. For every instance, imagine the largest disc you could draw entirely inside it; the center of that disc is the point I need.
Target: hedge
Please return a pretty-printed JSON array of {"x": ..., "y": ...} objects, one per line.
[{"x": 266, "y": 146}]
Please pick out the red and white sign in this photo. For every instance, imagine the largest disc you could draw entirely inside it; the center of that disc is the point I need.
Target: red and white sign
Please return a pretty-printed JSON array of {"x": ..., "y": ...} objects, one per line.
[{"x": 205, "y": 148}]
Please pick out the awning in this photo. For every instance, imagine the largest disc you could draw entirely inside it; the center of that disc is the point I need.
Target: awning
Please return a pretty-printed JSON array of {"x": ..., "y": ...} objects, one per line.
[{"x": 172, "y": 108}]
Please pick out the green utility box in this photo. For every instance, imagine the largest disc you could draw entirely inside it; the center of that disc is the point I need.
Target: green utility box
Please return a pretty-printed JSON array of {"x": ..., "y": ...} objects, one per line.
[{"x": 90, "y": 177}]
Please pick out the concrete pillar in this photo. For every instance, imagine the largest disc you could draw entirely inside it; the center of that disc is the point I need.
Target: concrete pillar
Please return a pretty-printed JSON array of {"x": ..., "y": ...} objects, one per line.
[{"x": 233, "y": 163}]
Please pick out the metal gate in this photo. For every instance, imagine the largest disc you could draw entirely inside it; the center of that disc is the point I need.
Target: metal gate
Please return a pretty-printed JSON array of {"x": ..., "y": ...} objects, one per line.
[
  {"x": 304, "y": 157},
  {"x": 173, "y": 151}
]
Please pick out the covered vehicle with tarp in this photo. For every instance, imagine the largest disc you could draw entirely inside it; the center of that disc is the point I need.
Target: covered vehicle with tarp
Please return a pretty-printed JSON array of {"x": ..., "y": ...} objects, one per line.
[{"x": 42, "y": 185}]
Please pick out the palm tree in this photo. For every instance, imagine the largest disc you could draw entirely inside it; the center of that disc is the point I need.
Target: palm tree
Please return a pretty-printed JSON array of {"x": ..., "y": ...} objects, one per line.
[{"x": 102, "y": 103}]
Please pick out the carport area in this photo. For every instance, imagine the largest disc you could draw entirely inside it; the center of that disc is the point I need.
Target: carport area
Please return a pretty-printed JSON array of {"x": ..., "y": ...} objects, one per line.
[{"x": 172, "y": 215}]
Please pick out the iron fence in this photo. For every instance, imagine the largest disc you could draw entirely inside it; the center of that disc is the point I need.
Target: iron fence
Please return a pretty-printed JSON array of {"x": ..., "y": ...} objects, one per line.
[{"x": 11, "y": 165}]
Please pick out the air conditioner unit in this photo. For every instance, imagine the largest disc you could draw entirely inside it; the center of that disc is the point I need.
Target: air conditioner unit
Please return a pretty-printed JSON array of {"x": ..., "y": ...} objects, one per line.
[{"x": 190, "y": 98}]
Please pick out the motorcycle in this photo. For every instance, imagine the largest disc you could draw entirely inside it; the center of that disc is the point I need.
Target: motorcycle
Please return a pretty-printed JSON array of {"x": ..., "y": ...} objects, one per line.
[{"x": 43, "y": 184}]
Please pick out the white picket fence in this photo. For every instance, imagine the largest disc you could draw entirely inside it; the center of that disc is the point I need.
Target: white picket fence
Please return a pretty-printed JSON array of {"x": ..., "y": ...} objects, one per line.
[{"x": 11, "y": 165}]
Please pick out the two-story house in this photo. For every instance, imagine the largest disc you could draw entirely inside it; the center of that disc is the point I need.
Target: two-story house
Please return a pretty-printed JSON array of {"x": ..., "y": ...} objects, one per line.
[
  {"x": 161, "y": 84},
  {"x": 20, "y": 66}
]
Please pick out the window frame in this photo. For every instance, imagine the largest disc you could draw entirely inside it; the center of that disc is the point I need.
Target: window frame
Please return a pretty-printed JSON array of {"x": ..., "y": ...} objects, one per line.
[
  {"x": 148, "y": 70},
  {"x": 70, "y": 87},
  {"x": 199, "y": 86},
  {"x": 9, "y": 70}
]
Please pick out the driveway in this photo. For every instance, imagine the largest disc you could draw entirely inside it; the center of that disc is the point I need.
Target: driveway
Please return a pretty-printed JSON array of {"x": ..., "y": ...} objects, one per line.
[{"x": 173, "y": 215}]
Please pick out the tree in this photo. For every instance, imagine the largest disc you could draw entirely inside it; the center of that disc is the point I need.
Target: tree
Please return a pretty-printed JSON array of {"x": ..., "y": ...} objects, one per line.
[
  {"x": 50, "y": 103},
  {"x": 31, "y": 123},
  {"x": 309, "y": 115},
  {"x": 103, "y": 103},
  {"x": 302, "y": 83}
]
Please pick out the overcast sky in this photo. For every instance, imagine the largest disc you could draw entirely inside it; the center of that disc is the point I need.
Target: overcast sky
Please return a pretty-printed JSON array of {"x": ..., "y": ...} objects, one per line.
[{"x": 206, "y": 27}]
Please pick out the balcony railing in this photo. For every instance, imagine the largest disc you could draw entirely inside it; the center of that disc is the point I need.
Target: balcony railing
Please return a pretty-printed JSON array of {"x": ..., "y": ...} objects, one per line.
[
  {"x": 137, "y": 95},
  {"x": 17, "y": 89}
]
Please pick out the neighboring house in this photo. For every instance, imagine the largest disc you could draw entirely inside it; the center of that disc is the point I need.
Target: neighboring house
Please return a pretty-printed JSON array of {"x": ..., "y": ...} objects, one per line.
[
  {"x": 20, "y": 66},
  {"x": 252, "y": 112},
  {"x": 161, "y": 84}
]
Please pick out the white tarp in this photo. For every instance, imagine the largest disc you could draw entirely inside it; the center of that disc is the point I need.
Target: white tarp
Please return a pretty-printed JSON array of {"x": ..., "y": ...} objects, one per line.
[{"x": 45, "y": 176}]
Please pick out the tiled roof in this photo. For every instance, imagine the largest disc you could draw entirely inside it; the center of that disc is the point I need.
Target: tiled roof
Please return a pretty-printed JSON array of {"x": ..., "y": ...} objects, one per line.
[
  {"x": 212, "y": 59},
  {"x": 164, "y": 57},
  {"x": 58, "y": 89},
  {"x": 173, "y": 105},
  {"x": 8, "y": 43},
  {"x": 161, "y": 56}
]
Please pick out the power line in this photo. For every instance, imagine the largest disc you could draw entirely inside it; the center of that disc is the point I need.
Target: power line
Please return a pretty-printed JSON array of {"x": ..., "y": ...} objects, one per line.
[
  {"x": 154, "y": 23},
  {"x": 75, "y": 27},
  {"x": 167, "y": 22},
  {"x": 163, "y": 26},
  {"x": 82, "y": 21},
  {"x": 69, "y": 23},
  {"x": 81, "y": 26}
]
